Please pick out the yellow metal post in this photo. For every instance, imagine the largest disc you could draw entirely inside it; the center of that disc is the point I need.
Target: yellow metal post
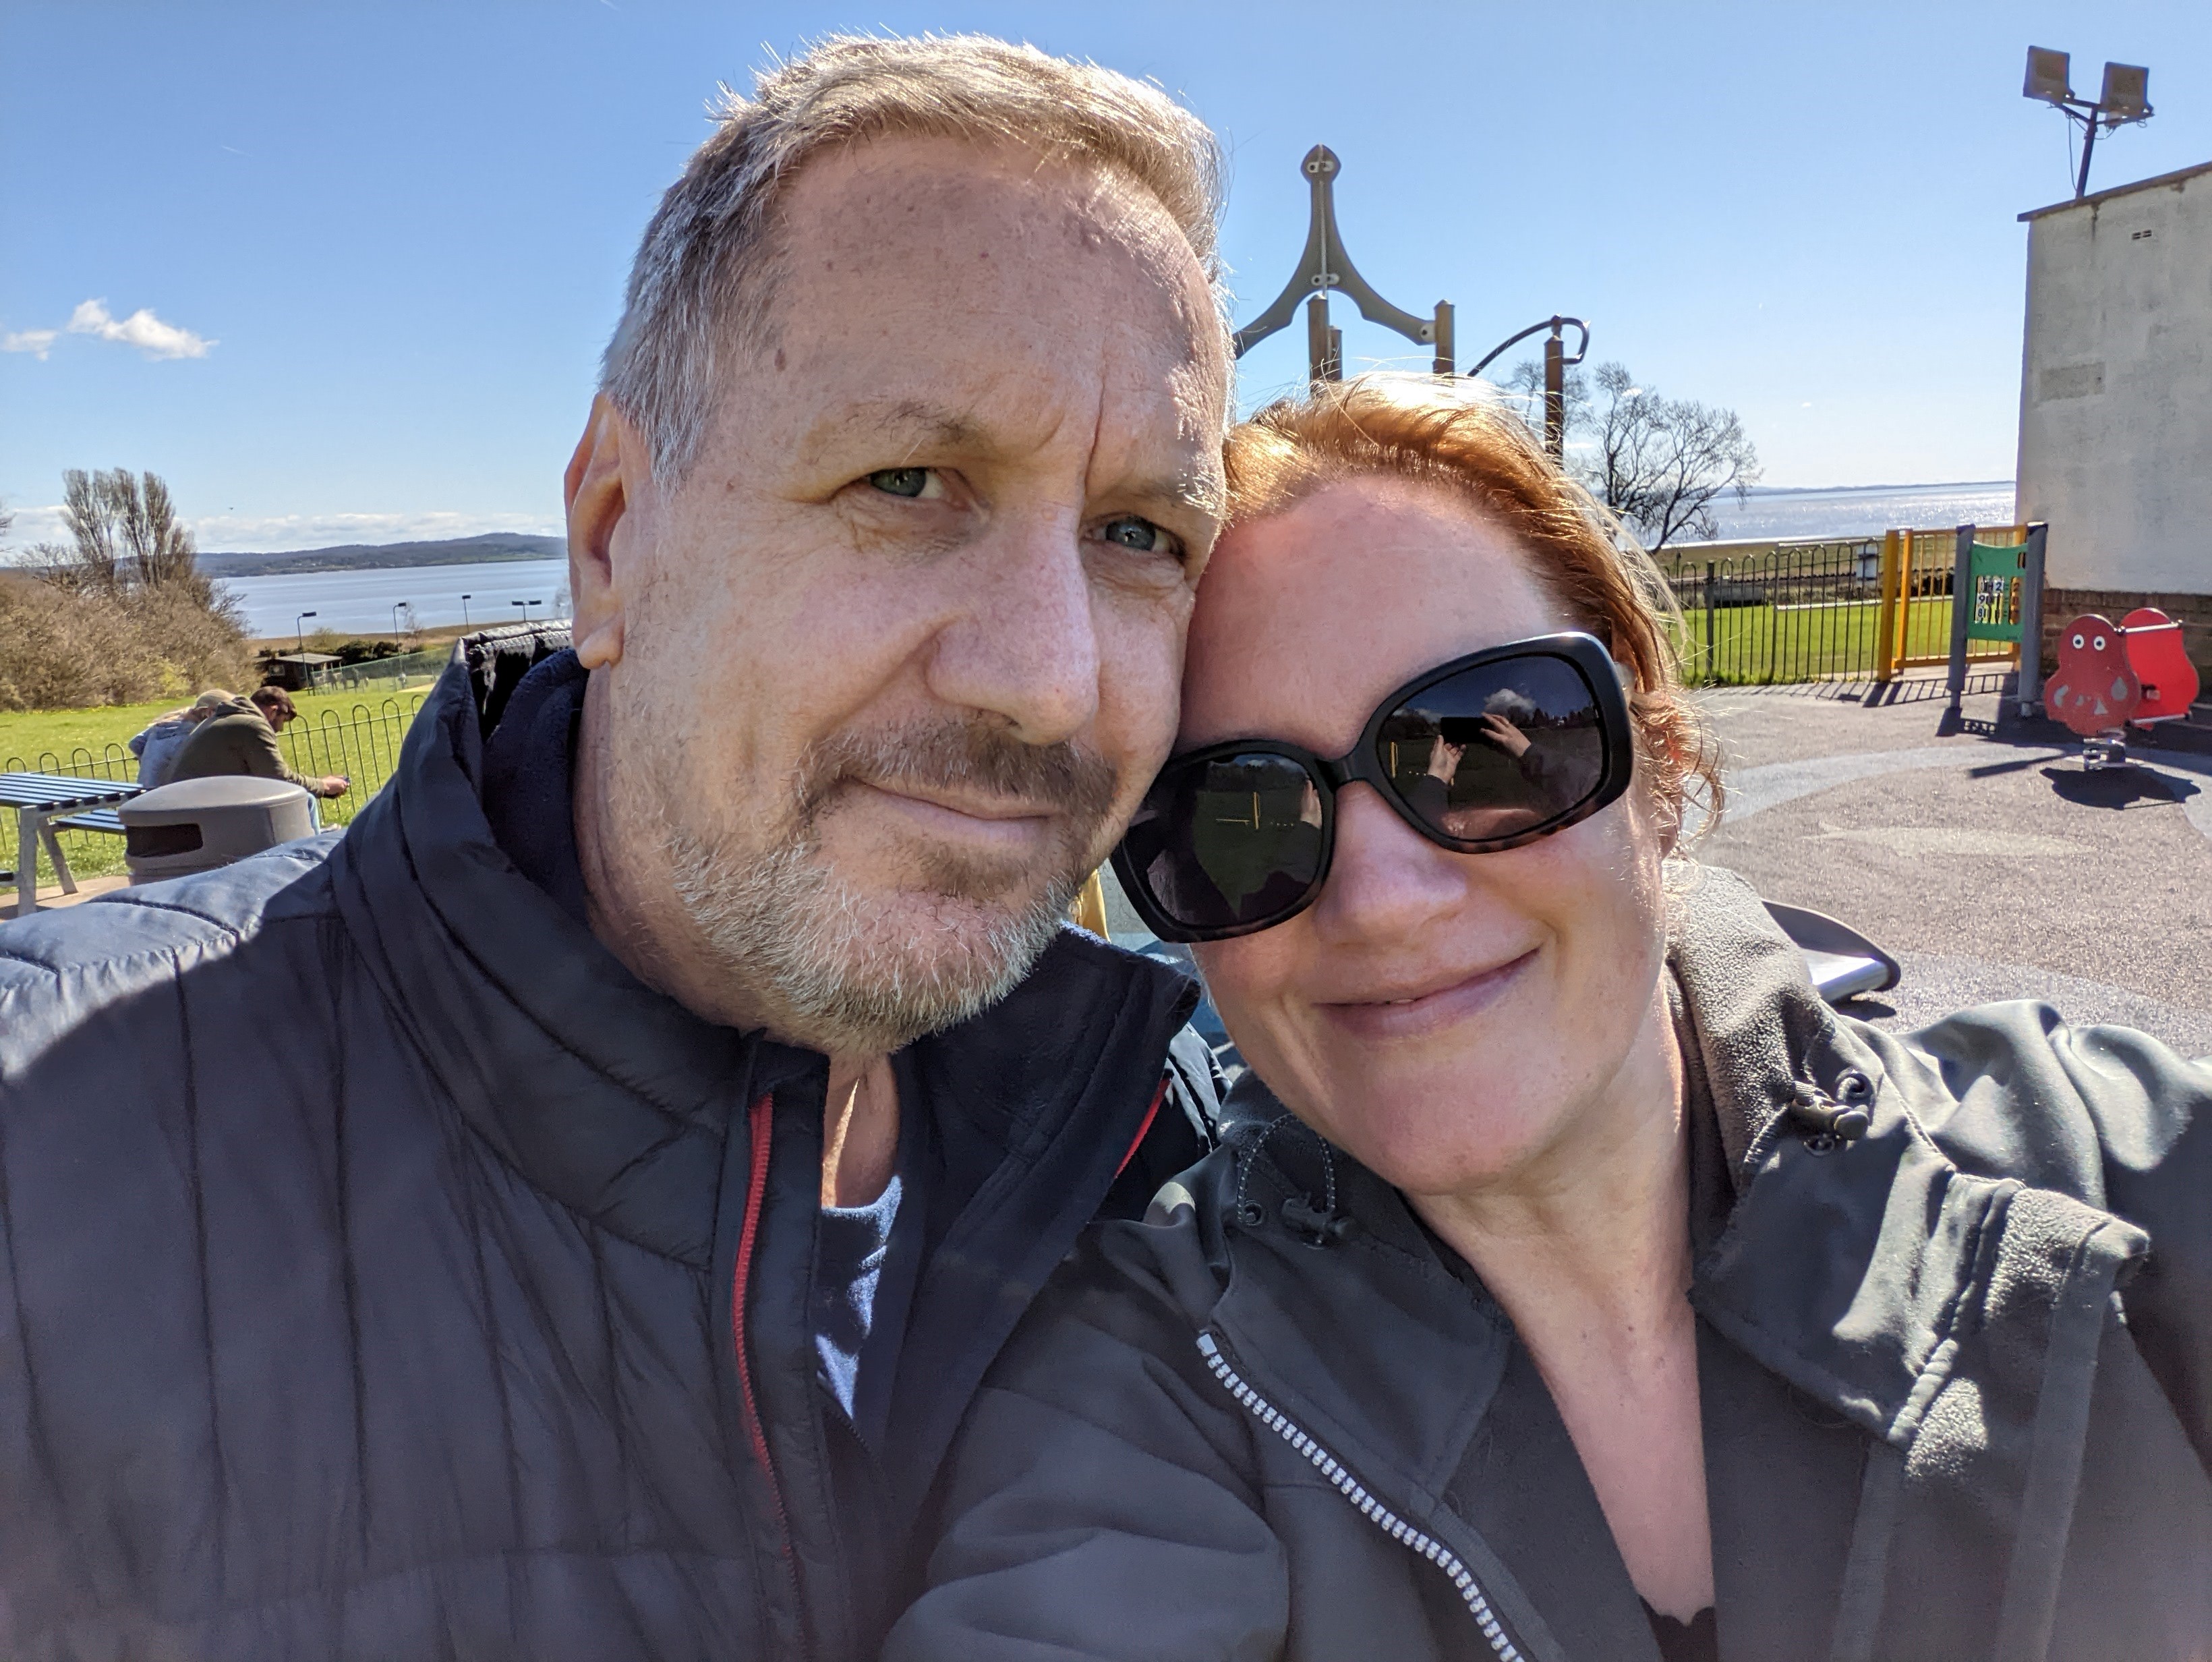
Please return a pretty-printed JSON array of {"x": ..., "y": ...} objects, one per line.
[
  {"x": 1887, "y": 651},
  {"x": 1089, "y": 908}
]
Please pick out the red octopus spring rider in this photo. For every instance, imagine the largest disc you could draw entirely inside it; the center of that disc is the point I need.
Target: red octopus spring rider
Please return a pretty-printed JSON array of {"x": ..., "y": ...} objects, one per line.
[{"x": 2112, "y": 676}]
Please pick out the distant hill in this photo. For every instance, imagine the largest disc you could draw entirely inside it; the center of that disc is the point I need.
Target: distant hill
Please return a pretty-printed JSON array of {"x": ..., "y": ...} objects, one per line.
[{"x": 497, "y": 546}]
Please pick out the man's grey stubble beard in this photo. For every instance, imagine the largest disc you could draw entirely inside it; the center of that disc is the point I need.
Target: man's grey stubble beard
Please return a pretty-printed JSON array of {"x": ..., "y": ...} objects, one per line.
[{"x": 830, "y": 965}]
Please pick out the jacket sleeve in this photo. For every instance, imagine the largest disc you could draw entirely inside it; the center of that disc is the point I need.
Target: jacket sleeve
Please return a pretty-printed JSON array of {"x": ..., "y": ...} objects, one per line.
[
  {"x": 2152, "y": 1111},
  {"x": 264, "y": 759},
  {"x": 1103, "y": 1498}
]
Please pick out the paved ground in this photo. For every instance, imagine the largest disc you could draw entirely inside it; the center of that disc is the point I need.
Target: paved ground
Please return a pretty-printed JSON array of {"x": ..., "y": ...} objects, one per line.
[
  {"x": 51, "y": 897},
  {"x": 1980, "y": 854}
]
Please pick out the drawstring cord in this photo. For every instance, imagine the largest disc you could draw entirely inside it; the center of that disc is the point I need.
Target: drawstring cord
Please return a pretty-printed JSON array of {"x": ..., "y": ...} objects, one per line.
[{"x": 1316, "y": 1227}]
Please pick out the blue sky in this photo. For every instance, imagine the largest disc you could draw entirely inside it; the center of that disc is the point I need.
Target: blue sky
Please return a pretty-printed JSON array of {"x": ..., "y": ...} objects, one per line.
[{"x": 380, "y": 245}]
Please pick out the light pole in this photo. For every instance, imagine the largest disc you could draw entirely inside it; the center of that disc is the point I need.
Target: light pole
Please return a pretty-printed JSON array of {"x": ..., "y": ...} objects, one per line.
[
  {"x": 465, "y": 599},
  {"x": 300, "y": 627},
  {"x": 2125, "y": 100},
  {"x": 525, "y": 605},
  {"x": 1556, "y": 365},
  {"x": 396, "y": 604}
]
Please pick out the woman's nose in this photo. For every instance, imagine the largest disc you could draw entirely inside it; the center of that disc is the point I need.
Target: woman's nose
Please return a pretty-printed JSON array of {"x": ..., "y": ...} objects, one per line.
[{"x": 1385, "y": 878}]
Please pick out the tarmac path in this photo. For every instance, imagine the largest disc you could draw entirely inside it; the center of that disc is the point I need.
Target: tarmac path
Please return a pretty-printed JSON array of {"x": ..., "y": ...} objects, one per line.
[{"x": 1988, "y": 860}]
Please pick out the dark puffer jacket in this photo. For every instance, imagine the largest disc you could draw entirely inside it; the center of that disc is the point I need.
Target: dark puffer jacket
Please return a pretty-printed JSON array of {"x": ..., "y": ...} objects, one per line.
[
  {"x": 1956, "y": 1378},
  {"x": 385, "y": 1273}
]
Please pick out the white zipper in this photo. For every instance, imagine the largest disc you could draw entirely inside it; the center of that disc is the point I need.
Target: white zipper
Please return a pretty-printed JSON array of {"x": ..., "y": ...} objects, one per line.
[{"x": 1353, "y": 1490}]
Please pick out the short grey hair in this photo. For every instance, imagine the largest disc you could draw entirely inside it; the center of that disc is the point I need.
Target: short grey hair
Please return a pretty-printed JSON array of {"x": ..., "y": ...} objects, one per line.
[{"x": 704, "y": 272}]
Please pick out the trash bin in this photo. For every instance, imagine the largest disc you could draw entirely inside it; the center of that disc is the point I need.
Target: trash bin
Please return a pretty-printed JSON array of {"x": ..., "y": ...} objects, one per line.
[{"x": 198, "y": 824}]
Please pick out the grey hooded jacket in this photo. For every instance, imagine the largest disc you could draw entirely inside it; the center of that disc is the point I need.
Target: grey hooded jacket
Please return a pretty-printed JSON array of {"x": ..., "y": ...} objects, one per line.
[{"x": 1279, "y": 1418}]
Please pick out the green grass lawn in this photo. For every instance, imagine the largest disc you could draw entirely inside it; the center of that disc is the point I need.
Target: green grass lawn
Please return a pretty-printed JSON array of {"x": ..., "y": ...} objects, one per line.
[
  {"x": 354, "y": 734},
  {"x": 1758, "y": 645}
]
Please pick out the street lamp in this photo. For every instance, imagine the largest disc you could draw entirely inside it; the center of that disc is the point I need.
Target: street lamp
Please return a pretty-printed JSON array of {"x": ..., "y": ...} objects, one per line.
[
  {"x": 396, "y": 604},
  {"x": 2125, "y": 100},
  {"x": 300, "y": 627},
  {"x": 525, "y": 605},
  {"x": 465, "y": 599}
]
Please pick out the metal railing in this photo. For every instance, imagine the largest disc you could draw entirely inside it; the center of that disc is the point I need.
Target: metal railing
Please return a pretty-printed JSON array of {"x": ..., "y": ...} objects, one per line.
[
  {"x": 362, "y": 744},
  {"x": 1848, "y": 609},
  {"x": 392, "y": 674},
  {"x": 1798, "y": 611}
]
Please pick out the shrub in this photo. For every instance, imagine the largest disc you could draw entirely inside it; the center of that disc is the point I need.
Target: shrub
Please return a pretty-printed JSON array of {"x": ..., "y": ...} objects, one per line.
[{"x": 69, "y": 648}]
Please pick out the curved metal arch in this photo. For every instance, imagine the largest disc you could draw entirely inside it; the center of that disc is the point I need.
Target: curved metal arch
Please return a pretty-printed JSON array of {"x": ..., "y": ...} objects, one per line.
[{"x": 1554, "y": 326}]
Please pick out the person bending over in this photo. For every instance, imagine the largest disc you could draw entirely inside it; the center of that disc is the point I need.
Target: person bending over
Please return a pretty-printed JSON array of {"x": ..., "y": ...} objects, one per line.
[
  {"x": 240, "y": 736},
  {"x": 1573, "y": 1283}
]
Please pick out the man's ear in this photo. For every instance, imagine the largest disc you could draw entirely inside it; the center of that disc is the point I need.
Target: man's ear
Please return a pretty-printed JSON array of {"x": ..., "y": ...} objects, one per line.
[{"x": 607, "y": 477}]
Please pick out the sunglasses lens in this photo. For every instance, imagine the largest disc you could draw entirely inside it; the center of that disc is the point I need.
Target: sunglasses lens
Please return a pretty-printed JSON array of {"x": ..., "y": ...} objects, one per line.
[
  {"x": 1498, "y": 751},
  {"x": 1230, "y": 841}
]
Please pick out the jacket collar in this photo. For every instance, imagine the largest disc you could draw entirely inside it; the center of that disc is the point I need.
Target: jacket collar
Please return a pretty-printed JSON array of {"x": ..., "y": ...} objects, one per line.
[{"x": 608, "y": 1096}]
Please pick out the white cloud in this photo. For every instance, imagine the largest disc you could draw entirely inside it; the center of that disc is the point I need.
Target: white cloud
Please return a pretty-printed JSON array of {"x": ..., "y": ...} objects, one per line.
[
  {"x": 142, "y": 329},
  {"x": 33, "y": 341},
  {"x": 246, "y": 533}
]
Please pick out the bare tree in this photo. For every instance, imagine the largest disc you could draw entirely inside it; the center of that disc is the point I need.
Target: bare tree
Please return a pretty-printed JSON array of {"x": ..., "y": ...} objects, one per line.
[
  {"x": 1526, "y": 384},
  {"x": 163, "y": 548},
  {"x": 1660, "y": 463},
  {"x": 126, "y": 533},
  {"x": 92, "y": 563}
]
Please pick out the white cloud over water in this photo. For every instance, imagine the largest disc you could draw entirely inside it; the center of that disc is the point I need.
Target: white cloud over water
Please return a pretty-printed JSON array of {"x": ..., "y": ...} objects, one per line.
[
  {"x": 142, "y": 329},
  {"x": 276, "y": 532}
]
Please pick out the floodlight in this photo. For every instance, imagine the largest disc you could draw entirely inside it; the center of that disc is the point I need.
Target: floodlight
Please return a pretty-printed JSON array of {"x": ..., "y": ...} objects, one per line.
[
  {"x": 2126, "y": 95},
  {"x": 2047, "y": 76}
]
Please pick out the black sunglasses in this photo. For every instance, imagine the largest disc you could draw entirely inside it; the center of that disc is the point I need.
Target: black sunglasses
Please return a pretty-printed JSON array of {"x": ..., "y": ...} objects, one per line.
[{"x": 1481, "y": 754}]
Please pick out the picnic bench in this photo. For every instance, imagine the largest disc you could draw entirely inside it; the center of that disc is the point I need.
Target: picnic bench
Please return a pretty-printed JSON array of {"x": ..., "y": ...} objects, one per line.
[{"x": 46, "y": 801}]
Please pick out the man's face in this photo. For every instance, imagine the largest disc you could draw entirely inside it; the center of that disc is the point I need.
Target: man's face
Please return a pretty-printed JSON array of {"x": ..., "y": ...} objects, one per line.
[{"x": 900, "y": 652}]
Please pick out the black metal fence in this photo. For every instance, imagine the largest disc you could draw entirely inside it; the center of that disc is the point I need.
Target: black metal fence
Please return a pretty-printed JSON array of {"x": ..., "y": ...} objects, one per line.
[
  {"x": 361, "y": 743},
  {"x": 1798, "y": 613}
]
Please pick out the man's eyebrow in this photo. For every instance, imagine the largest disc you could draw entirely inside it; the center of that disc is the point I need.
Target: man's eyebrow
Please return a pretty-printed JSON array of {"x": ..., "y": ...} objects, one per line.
[
  {"x": 1199, "y": 490},
  {"x": 912, "y": 422}
]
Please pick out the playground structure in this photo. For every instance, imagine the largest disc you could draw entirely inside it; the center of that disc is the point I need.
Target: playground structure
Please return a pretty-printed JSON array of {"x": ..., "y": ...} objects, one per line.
[
  {"x": 1997, "y": 597},
  {"x": 1325, "y": 268},
  {"x": 2113, "y": 677}
]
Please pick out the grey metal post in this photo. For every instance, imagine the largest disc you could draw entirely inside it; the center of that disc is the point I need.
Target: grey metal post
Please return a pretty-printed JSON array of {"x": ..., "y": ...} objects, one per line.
[
  {"x": 2031, "y": 623},
  {"x": 1443, "y": 364},
  {"x": 1962, "y": 613},
  {"x": 1709, "y": 621}
]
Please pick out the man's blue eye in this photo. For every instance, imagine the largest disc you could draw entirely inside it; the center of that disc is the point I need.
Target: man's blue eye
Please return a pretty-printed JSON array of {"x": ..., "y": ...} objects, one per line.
[
  {"x": 901, "y": 481},
  {"x": 1141, "y": 535}
]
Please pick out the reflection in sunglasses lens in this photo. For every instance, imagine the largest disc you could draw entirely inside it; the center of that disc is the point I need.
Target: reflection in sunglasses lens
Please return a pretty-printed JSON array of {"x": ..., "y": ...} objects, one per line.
[
  {"x": 1496, "y": 751},
  {"x": 1232, "y": 839}
]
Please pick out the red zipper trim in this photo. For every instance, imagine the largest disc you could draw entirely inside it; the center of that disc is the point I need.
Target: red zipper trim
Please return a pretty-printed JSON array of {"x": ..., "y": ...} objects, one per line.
[
  {"x": 1150, "y": 1114},
  {"x": 761, "y": 1123}
]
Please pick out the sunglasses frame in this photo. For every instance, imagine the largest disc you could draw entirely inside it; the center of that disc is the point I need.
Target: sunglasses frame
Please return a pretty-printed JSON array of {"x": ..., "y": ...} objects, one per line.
[{"x": 1363, "y": 764}]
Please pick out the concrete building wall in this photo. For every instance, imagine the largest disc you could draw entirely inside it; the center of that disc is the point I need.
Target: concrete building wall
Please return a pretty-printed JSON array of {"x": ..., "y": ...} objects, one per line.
[{"x": 2116, "y": 389}]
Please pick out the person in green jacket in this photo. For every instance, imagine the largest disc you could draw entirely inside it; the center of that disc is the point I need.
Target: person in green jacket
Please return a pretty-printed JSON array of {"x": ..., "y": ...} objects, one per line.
[
  {"x": 240, "y": 737},
  {"x": 1573, "y": 1283}
]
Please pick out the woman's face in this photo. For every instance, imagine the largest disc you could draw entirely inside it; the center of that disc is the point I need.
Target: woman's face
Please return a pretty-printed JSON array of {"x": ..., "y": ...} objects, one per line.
[{"x": 1447, "y": 1019}]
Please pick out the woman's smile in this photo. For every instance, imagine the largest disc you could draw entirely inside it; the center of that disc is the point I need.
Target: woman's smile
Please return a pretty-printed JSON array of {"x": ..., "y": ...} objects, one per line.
[{"x": 1415, "y": 1013}]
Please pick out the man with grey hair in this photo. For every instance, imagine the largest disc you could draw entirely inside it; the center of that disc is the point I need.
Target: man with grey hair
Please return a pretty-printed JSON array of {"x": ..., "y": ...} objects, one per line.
[{"x": 567, "y": 1215}]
